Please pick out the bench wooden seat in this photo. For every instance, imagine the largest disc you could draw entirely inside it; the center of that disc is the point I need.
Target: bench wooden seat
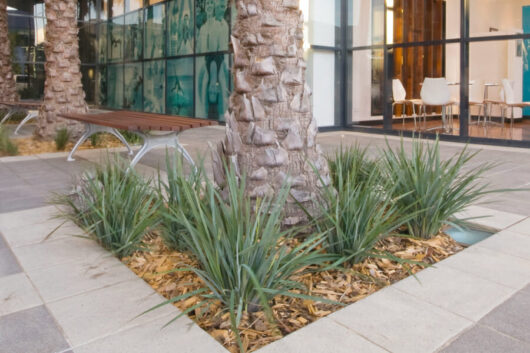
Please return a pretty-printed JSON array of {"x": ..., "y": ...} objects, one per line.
[{"x": 154, "y": 129}]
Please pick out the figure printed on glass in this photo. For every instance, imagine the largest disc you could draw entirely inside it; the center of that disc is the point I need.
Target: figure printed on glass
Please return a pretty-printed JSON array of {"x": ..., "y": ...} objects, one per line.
[
  {"x": 133, "y": 36},
  {"x": 133, "y": 87},
  {"x": 212, "y": 18},
  {"x": 154, "y": 86},
  {"x": 180, "y": 87},
  {"x": 180, "y": 27},
  {"x": 155, "y": 31},
  {"x": 212, "y": 86}
]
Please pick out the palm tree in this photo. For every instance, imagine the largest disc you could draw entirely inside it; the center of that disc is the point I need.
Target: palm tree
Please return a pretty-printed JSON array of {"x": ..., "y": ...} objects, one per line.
[
  {"x": 63, "y": 90},
  {"x": 270, "y": 130},
  {"x": 8, "y": 90}
]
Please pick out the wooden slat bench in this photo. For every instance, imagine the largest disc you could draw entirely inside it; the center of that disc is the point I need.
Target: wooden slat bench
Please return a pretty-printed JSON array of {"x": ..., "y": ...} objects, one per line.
[
  {"x": 30, "y": 107},
  {"x": 154, "y": 129}
]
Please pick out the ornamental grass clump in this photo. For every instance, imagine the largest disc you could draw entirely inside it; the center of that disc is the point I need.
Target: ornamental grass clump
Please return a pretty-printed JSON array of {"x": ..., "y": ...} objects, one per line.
[
  {"x": 359, "y": 210},
  {"x": 173, "y": 230},
  {"x": 62, "y": 137},
  {"x": 115, "y": 206},
  {"x": 244, "y": 257},
  {"x": 433, "y": 190},
  {"x": 7, "y": 146}
]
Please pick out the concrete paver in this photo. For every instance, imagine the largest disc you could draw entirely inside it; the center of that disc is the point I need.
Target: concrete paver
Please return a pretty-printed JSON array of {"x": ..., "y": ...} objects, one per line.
[
  {"x": 522, "y": 227},
  {"x": 401, "y": 323},
  {"x": 8, "y": 263},
  {"x": 508, "y": 242},
  {"x": 486, "y": 340},
  {"x": 17, "y": 293},
  {"x": 31, "y": 330},
  {"x": 438, "y": 285}
]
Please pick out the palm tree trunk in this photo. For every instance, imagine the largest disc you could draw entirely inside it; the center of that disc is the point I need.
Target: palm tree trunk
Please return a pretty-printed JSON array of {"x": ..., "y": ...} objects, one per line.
[
  {"x": 8, "y": 90},
  {"x": 271, "y": 131},
  {"x": 63, "y": 90}
]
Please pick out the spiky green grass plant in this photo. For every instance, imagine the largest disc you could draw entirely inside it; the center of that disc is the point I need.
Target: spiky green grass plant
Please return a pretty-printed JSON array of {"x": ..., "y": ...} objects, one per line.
[
  {"x": 359, "y": 209},
  {"x": 7, "y": 146},
  {"x": 62, "y": 136},
  {"x": 431, "y": 188},
  {"x": 244, "y": 256},
  {"x": 115, "y": 206}
]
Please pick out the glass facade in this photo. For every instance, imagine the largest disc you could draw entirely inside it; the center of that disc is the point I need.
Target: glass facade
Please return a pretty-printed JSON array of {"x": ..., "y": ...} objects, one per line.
[{"x": 173, "y": 57}]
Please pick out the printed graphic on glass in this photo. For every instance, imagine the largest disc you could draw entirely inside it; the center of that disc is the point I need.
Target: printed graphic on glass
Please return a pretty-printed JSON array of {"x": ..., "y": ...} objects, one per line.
[
  {"x": 116, "y": 39},
  {"x": 212, "y": 86},
  {"x": 180, "y": 87},
  {"x": 154, "y": 32},
  {"x": 212, "y": 18},
  {"x": 102, "y": 47},
  {"x": 133, "y": 87},
  {"x": 133, "y": 36},
  {"x": 115, "y": 86},
  {"x": 102, "y": 84},
  {"x": 180, "y": 40},
  {"x": 154, "y": 86}
]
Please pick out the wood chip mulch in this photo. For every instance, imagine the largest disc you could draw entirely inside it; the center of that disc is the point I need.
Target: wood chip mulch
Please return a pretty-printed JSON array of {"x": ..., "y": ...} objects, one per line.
[
  {"x": 28, "y": 146},
  {"x": 346, "y": 286}
]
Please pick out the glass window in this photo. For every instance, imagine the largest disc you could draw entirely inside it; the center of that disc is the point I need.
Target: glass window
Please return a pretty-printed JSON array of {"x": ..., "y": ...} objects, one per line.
[
  {"x": 154, "y": 41},
  {"x": 87, "y": 43},
  {"x": 89, "y": 83},
  {"x": 102, "y": 86},
  {"x": 87, "y": 10},
  {"x": 498, "y": 17},
  {"x": 367, "y": 20},
  {"x": 180, "y": 17},
  {"x": 102, "y": 45},
  {"x": 131, "y": 5},
  {"x": 212, "y": 19},
  {"x": 321, "y": 22},
  {"x": 133, "y": 96},
  {"x": 322, "y": 79},
  {"x": 154, "y": 86},
  {"x": 115, "y": 86},
  {"x": 115, "y": 41},
  {"x": 29, "y": 80},
  {"x": 180, "y": 87},
  {"x": 367, "y": 87},
  {"x": 133, "y": 36},
  {"x": 212, "y": 86}
]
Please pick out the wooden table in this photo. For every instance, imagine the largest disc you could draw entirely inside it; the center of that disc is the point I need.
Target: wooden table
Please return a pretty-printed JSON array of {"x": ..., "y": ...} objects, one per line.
[
  {"x": 30, "y": 107},
  {"x": 155, "y": 129}
]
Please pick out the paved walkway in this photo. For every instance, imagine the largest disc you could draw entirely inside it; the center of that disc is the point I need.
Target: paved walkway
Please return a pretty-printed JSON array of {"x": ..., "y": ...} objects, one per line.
[{"x": 66, "y": 294}]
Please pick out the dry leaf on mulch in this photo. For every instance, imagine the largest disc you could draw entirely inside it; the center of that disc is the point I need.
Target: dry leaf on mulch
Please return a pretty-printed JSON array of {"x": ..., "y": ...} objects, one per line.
[{"x": 346, "y": 286}]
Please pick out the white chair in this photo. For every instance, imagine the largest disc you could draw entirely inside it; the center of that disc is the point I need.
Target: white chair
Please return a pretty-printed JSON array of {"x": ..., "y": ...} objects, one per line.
[
  {"x": 510, "y": 103},
  {"x": 476, "y": 99},
  {"x": 435, "y": 92},
  {"x": 399, "y": 95}
]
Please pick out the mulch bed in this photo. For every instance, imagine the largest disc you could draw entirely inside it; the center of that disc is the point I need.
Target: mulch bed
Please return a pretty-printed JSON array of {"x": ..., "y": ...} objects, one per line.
[
  {"x": 346, "y": 286},
  {"x": 28, "y": 146}
]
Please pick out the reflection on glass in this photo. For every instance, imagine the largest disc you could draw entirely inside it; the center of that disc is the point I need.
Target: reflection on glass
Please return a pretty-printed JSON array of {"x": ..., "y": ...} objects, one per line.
[
  {"x": 180, "y": 27},
  {"x": 102, "y": 85},
  {"x": 131, "y": 5},
  {"x": 367, "y": 87},
  {"x": 212, "y": 86},
  {"x": 180, "y": 87},
  {"x": 133, "y": 36},
  {"x": 87, "y": 40},
  {"x": 154, "y": 86},
  {"x": 212, "y": 19},
  {"x": 116, "y": 39},
  {"x": 320, "y": 21},
  {"x": 367, "y": 19},
  {"x": 117, "y": 7},
  {"x": 133, "y": 87},
  {"x": 89, "y": 82},
  {"x": 29, "y": 80},
  {"x": 87, "y": 10},
  {"x": 115, "y": 86},
  {"x": 499, "y": 17},
  {"x": 102, "y": 51},
  {"x": 154, "y": 32}
]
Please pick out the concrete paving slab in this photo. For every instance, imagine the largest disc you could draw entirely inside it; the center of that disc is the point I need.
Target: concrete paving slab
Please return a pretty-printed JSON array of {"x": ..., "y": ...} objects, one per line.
[
  {"x": 31, "y": 330},
  {"x": 485, "y": 340},
  {"x": 8, "y": 263},
  {"x": 324, "y": 335},
  {"x": 490, "y": 218},
  {"x": 56, "y": 252},
  {"x": 34, "y": 234},
  {"x": 26, "y": 218},
  {"x": 181, "y": 336},
  {"x": 17, "y": 293},
  {"x": 73, "y": 278},
  {"x": 512, "y": 318},
  {"x": 491, "y": 265},
  {"x": 103, "y": 312},
  {"x": 3, "y": 243},
  {"x": 510, "y": 243},
  {"x": 381, "y": 319},
  {"x": 438, "y": 285},
  {"x": 522, "y": 227},
  {"x": 526, "y": 289}
]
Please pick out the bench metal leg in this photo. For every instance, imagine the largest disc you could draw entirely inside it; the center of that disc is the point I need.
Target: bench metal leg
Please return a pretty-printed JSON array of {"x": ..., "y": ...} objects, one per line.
[
  {"x": 8, "y": 115},
  {"x": 151, "y": 141},
  {"x": 31, "y": 115},
  {"x": 91, "y": 129}
]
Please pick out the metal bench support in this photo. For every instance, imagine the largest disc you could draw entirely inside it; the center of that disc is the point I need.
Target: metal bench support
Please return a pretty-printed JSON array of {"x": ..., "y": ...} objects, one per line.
[
  {"x": 152, "y": 140},
  {"x": 9, "y": 114},
  {"x": 32, "y": 114},
  {"x": 91, "y": 129}
]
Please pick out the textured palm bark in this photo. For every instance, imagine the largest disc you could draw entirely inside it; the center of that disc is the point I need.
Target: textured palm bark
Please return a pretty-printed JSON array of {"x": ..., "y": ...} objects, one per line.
[
  {"x": 63, "y": 90},
  {"x": 271, "y": 131},
  {"x": 8, "y": 90}
]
